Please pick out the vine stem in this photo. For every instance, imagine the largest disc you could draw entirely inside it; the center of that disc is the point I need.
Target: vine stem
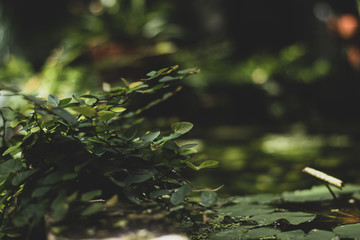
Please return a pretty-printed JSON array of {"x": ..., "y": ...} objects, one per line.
[{"x": 4, "y": 125}]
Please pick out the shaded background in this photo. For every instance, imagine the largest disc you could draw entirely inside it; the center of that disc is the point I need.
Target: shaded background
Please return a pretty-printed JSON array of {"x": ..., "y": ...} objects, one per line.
[{"x": 279, "y": 82}]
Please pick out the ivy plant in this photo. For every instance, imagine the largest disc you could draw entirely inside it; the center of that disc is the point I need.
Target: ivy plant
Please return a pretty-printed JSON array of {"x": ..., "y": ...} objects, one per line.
[{"x": 62, "y": 156}]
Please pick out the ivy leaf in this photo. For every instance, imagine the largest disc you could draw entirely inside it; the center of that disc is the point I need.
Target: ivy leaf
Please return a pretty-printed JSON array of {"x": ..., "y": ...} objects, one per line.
[{"x": 178, "y": 196}]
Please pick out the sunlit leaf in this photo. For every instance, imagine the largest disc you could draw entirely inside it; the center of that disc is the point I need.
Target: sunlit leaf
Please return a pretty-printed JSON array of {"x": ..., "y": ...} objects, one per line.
[
  {"x": 53, "y": 100},
  {"x": 209, "y": 164},
  {"x": 12, "y": 150},
  {"x": 64, "y": 101},
  {"x": 135, "y": 84},
  {"x": 85, "y": 110},
  {"x": 191, "y": 165},
  {"x": 181, "y": 127},
  {"x": 106, "y": 115},
  {"x": 117, "y": 109}
]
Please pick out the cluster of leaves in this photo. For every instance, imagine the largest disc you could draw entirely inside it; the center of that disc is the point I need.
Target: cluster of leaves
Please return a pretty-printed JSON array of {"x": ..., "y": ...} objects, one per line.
[
  {"x": 78, "y": 155},
  {"x": 302, "y": 214}
]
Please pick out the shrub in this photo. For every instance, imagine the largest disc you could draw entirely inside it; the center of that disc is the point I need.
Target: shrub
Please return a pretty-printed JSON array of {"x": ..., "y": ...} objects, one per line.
[{"x": 70, "y": 151}]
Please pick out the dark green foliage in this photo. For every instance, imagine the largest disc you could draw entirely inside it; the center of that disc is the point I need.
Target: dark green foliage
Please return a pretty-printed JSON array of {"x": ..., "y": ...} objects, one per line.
[{"x": 71, "y": 151}]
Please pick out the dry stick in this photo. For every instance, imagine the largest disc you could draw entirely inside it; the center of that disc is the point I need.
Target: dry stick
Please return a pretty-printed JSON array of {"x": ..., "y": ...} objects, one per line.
[
  {"x": 327, "y": 179},
  {"x": 332, "y": 193}
]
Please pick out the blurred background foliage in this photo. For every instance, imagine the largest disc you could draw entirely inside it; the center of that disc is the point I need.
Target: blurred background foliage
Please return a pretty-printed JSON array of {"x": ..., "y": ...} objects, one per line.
[{"x": 279, "y": 82}]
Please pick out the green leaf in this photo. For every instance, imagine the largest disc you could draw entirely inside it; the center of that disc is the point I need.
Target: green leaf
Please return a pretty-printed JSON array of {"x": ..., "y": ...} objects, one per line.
[
  {"x": 53, "y": 177},
  {"x": 209, "y": 164},
  {"x": 85, "y": 110},
  {"x": 160, "y": 193},
  {"x": 317, "y": 193},
  {"x": 294, "y": 218},
  {"x": 315, "y": 234},
  {"x": 60, "y": 206},
  {"x": 188, "y": 151},
  {"x": 168, "y": 79},
  {"x": 246, "y": 210},
  {"x": 11, "y": 165},
  {"x": 93, "y": 208},
  {"x": 191, "y": 165},
  {"x": 348, "y": 231},
  {"x": 40, "y": 191},
  {"x": 181, "y": 127},
  {"x": 13, "y": 150},
  {"x": 186, "y": 146},
  {"x": 64, "y": 101},
  {"x": 53, "y": 100},
  {"x": 85, "y": 197},
  {"x": 260, "y": 233},
  {"x": 178, "y": 196},
  {"x": 18, "y": 179},
  {"x": 189, "y": 71},
  {"x": 64, "y": 115},
  {"x": 139, "y": 176},
  {"x": 151, "y": 136},
  {"x": 117, "y": 109},
  {"x": 208, "y": 198},
  {"x": 296, "y": 234},
  {"x": 106, "y": 115}
]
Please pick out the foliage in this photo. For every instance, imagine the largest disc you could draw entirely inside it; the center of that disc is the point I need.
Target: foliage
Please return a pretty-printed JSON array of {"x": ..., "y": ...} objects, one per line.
[
  {"x": 79, "y": 155},
  {"x": 302, "y": 214}
]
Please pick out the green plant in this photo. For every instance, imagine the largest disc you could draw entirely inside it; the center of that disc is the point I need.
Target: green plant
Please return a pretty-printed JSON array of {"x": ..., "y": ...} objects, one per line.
[{"x": 64, "y": 153}]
